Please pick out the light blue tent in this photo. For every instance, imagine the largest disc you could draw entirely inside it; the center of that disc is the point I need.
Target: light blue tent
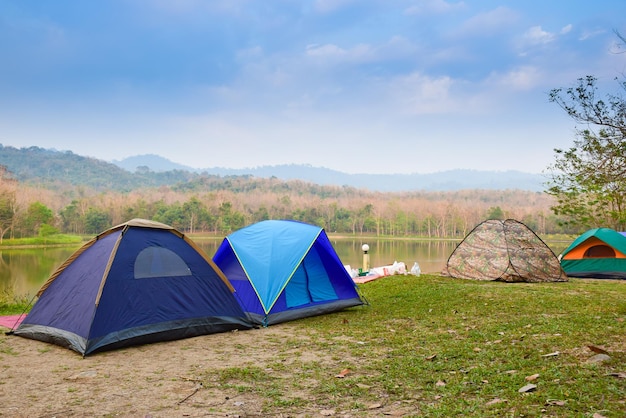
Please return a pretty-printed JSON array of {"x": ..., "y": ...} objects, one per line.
[{"x": 285, "y": 270}]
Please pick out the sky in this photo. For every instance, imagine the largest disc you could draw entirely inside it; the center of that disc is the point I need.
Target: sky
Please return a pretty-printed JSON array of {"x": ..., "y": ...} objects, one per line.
[{"x": 358, "y": 86}]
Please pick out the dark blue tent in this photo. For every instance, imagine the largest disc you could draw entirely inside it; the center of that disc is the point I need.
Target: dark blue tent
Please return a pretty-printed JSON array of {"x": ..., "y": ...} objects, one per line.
[
  {"x": 285, "y": 270},
  {"x": 136, "y": 283}
]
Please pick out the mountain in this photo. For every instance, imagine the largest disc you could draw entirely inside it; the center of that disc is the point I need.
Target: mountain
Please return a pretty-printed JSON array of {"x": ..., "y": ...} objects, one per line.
[
  {"x": 441, "y": 181},
  {"x": 151, "y": 161},
  {"x": 51, "y": 168}
]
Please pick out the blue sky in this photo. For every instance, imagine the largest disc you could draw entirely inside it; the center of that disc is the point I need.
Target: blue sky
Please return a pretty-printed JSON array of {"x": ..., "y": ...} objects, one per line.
[{"x": 359, "y": 86}]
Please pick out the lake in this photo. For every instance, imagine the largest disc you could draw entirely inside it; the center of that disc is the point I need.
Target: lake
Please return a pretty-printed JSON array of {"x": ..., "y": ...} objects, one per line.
[{"x": 23, "y": 271}]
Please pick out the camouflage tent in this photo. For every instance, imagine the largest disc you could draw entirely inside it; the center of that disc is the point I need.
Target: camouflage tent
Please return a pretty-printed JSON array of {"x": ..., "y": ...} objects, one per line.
[{"x": 507, "y": 251}]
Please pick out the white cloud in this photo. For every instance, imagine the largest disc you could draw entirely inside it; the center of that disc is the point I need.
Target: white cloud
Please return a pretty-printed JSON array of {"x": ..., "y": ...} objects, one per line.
[
  {"x": 419, "y": 94},
  {"x": 523, "y": 78},
  {"x": 566, "y": 29},
  {"x": 590, "y": 34},
  {"x": 489, "y": 22},
  {"x": 537, "y": 36},
  {"x": 334, "y": 53}
]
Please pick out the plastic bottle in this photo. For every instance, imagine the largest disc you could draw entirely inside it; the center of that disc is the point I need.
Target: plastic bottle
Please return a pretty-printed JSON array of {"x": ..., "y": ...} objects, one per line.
[{"x": 415, "y": 270}]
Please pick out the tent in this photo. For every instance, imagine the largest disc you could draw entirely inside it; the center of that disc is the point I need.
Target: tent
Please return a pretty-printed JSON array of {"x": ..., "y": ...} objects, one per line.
[
  {"x": 136, "y": 283},
  {"x": 507, "y": 251},
  {"x": 285, "y": 270},
  {"x": 598, "y": 253}
]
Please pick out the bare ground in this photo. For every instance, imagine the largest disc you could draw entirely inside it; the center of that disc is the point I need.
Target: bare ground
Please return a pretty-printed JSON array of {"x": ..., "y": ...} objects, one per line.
[{"x": 166, "y": 379}]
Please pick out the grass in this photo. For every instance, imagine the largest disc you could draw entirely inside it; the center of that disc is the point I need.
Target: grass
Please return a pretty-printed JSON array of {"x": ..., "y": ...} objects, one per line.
[
  {"x": 441, "y": 347},
  {"x": 51, "y": 240},
  {"x": 433, "y": 346},
  {"x": 9, "y": 305}
]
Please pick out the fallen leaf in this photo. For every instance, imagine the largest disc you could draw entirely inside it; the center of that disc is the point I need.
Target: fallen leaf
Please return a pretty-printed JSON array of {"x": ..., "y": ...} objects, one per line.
[
  {"x": 597, "y": 349},
  {"x": 375, "y": 406},
  {"x": 363, "y": 386},
  {"x": 619, "y": 375},
  {"x": 432, "y": 357},
  {"x": 532, "y": 377},
  {"x": 495, "y": 401},
  {"x": 440, "y": 383},
  {"x": 327, "y": 412},
  {"x": 596, "y": 415},
  {"x": 343, "y": 373},
  {"x": 394, "y": 413},
  {"x": 556, "y": 353},
  {"x": 527, "y": 388},
  {"x": 555, "y": 402},
  {"x": 477, "y": 349}
]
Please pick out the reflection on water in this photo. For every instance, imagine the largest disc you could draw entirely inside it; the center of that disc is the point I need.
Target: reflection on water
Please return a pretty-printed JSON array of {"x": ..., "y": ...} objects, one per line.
[
  {"x": 431, "y": 255},
  {"x": 22, "y": 272}
]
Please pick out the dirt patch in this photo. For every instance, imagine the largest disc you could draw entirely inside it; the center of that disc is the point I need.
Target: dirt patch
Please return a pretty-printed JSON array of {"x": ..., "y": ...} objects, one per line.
[{"x": 204, "y": 376}]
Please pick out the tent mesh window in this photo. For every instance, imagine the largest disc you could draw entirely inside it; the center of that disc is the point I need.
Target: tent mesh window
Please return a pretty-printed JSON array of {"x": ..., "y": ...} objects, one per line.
[
  {"x": 600, "y": 251},
  {"x": 160, "y": 262}
]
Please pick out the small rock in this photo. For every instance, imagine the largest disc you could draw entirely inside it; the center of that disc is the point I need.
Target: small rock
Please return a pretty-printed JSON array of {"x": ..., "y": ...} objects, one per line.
[
  {"x": 83, "y": 375},
  {"x": 527, "y": 388},
  {"x": 599, "y": 358}
]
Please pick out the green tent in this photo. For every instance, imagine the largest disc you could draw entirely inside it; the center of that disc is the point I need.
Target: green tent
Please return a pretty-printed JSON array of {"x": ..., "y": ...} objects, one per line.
[{"x": 598, "y": 253}]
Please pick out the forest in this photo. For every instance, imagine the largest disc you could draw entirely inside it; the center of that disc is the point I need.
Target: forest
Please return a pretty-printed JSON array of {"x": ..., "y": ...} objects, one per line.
[{"x": 219, "y": 205}]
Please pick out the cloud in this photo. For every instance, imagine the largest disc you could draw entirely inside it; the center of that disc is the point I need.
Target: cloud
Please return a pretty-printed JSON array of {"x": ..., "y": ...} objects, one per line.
[
  {"x": 417, "y": 93},
  {"x": 588, "y": 34},
  {"x": 330, "y": 53},
  {"x": 519, "y": 79},
  {"x": 488, "y": 23},
  {"x": 397, "y": 47},
  {"x": 537, "y": 36}
]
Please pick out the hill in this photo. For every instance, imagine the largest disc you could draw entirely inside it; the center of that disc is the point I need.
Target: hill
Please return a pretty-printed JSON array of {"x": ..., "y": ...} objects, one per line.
[
  {"x": 51, "y": 167},
  {"x": 441, "y": 181}
]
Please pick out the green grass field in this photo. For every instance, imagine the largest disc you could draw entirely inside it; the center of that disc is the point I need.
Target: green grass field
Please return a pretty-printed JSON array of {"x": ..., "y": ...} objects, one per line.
[
  {"x": 448, "y": 347},
  {"x": 439, "y": 347}
]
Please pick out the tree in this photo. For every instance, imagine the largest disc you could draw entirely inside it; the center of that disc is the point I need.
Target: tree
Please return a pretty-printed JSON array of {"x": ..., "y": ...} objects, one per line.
[
  {"x": 8, "y": 188},
  {"x": 36, "y": 215},
  {"x": 495, "y": 213},
  {"x": 96, "y": 221},
  {"x": 588, "y": 180}
]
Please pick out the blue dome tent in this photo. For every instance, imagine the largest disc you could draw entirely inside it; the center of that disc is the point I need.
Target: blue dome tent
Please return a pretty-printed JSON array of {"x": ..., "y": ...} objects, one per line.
[
  {"x": 139, "y": 282},
  {"x": 284, "y": 270}
]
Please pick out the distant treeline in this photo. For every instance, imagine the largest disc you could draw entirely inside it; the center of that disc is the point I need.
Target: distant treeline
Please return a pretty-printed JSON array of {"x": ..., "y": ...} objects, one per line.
[{"x": 220, "y": 205}]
